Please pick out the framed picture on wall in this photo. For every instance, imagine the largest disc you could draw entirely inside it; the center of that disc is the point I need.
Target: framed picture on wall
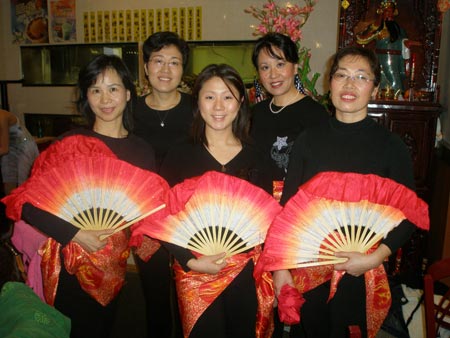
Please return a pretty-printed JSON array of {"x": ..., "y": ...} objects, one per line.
[
  {"x": 62, "y": 21},
  {"x": 29, "y": 21}
]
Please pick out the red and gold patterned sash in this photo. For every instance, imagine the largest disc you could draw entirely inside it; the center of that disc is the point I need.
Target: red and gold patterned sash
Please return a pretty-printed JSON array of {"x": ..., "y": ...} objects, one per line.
[
  {"x": 146, "y": 247},
  {"x": 378, "y": 295},
  {"x": 265, "y": 294},
  {"x": 101, "y": 274},
  {"x": 196, "y": 291}
]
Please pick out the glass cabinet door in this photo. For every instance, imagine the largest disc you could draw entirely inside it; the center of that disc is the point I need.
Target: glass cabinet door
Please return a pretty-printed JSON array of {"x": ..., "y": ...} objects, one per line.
[{"x": 59, "y": 65}]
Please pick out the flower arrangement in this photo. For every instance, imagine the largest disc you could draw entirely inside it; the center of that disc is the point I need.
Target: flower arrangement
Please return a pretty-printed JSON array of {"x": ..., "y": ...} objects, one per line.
[
  {"x": 443, "y": 5},
  {"x": 288, "y": 20}
]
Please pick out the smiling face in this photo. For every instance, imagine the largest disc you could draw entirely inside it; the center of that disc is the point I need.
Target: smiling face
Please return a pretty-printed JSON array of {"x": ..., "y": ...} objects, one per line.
[
  {"x": 349, "y": 96},
  {"x": 218, "y": 106},
  {"x": 276, "y": 75},
  {"x": 165, "y": 69},
  {"x": 108, "y": 97}
]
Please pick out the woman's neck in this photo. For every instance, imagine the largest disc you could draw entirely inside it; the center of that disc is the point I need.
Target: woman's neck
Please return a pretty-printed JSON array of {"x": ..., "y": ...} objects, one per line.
[
  {"x": 351, "y": 117},
  {"x": 223, "y": 147},
  {"x": 163, "y": 101},
  {"x": 113, "y": 130},
  {"x": 293, "y": 95},
  {"x": 221, "y": 138}
]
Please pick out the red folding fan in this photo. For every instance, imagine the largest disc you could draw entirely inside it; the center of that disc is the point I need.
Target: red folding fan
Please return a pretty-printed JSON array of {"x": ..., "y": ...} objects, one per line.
[
  {"x": 338, "y": 212},
  {"x": 69, "y": 149},
  {"x": 217, "y": 213},
  {"x": 97, "y": 193}
]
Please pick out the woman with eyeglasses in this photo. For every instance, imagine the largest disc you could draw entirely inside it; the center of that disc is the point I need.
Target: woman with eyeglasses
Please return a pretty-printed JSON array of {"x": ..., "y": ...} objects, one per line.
[
  {"x": 163, "y": 118},
  {"x": 349, "y": 142}
]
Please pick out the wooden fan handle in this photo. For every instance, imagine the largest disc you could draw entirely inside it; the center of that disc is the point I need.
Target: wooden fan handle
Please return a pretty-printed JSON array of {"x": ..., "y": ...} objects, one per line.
[{"x": 317, "y": 263}]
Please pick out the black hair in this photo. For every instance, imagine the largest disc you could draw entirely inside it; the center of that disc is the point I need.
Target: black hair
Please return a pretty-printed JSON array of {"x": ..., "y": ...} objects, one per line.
[
  {"x": 233, "y": 81},
  {"x": 88, "y": 76},
  {"x": 159, "y": 40},
  {"x": 365, "y": 53},
  {"x": 269, "y": 42}
]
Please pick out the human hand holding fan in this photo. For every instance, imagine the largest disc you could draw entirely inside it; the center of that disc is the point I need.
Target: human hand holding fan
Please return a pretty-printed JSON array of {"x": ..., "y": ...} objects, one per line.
[
  {"x": 217, "y": 213},
  {"x": 97, "y": 193},
  {"x": 336, "y": 212}
]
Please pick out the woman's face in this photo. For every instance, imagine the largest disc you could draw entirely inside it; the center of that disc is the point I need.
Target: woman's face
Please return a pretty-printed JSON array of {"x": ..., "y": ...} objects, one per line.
[
  {"x": 108, "y": 97},
  {"x": 217, "y": 104},
  {"x": 164, "y": 69},
  {"x": 352, "y": 88},
  {"x": 277, "y": 76}
]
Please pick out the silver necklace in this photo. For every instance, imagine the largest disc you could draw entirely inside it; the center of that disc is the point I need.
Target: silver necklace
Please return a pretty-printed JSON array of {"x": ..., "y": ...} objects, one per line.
[
  {"x": 168, "y": 108},
  {"x": 279, "y": 110},
  {"x": 161, "y": 120}
]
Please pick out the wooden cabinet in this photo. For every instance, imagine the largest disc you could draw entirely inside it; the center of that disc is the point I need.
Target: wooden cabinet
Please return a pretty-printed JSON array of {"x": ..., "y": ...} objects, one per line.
[
  {"x": 439, "y": 237},
  {"x": 415, "y": 122}
]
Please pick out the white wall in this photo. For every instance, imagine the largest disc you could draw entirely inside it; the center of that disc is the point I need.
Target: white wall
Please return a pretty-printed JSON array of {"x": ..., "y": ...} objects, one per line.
[{"x": 222, "y": 20}]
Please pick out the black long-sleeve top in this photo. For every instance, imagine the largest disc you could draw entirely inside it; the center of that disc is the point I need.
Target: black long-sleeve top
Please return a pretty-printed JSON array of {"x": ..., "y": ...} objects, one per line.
[
  {"x": 131, "y": 149},
  {"x": 363, "y": 147},
  {"x": 190, "y": 160},
  {"x": 163, "y": 129},
  {"x": 275, "y": 134}
]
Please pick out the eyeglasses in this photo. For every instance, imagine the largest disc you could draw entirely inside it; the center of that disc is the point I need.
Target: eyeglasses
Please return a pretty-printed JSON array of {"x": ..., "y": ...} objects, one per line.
[
  {"x": 358, "y": 79},
  {"x": 159, "y": 63}
]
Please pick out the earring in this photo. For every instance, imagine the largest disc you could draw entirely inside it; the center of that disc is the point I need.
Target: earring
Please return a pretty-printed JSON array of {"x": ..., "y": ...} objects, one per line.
[
  {"x": 299, "y": 85},
  {"x": 259, "y": 92}
]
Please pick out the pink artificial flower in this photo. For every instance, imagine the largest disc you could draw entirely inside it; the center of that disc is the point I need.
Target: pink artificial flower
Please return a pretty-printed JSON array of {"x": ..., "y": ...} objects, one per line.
[
  {"x": 279, "y": 24},
  {"x": 296, "y": 35},
  {"x": 305, "y": 10},
  {"x": 262, "y": 29},
  {"x": 270, "y": 6},
  {"x": 285, "y": 20},
  {"x": 443, "y": 5}
]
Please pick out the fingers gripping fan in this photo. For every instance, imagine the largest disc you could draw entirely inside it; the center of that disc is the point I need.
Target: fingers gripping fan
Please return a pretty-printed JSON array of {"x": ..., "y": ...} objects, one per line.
[
  {"x": 218, "y": 213},
  {"x": 338, "y": 212},
  {"x": 98, "y": 193}
]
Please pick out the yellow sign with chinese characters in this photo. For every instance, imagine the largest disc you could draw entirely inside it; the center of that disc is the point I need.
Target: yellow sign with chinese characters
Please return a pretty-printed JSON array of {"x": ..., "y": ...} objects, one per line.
[{"x": 138, "y": 24}]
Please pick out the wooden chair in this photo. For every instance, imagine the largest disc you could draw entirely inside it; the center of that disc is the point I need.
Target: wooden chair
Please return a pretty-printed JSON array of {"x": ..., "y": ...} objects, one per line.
[{"x": 436, "y": 315}]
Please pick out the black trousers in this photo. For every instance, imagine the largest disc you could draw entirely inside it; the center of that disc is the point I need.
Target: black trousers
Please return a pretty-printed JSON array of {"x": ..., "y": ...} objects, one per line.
[
  {"x": 322, "y": 319},
  {"x": 89, "y": 319},
  {"x": 158, "y": 286},
  {"x": 233, "y": 313}
]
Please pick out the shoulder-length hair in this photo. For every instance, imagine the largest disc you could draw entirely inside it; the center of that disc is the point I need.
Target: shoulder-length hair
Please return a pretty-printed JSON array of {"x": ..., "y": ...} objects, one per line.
[
  {"x": 233, "y": 81},
  {"x": 89, "y": 75}
]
